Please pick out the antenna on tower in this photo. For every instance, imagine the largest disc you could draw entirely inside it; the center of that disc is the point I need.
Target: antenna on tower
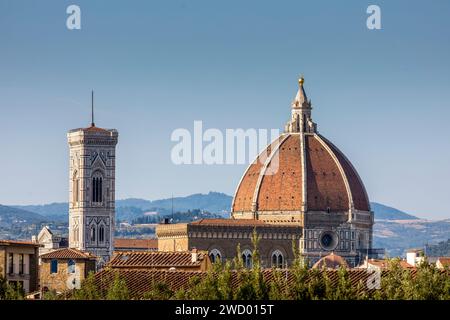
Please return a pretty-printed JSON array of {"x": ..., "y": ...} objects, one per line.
[{"x": 92, "y": 109}]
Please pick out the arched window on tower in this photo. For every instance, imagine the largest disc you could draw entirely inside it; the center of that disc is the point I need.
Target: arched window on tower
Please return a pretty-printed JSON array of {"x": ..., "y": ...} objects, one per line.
[
  {"x": 93, "y": 231},
  {"x": 75, "y": 187},
  {"x": 247, "y": 258},
  {"x": 277, "y": 259},
  {"x": 75, "y": 234},
  {"x": 101, "y": 234},
  {"x": 97, "y": 188}
]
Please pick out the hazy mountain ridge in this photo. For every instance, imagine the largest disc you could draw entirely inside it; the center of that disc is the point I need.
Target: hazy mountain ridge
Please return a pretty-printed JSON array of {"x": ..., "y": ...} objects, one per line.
[
  {"x": 394, "y": 229},
  {"x": 383, "y": 212},
  {"x": 11, "y": 215},
  {"x": 214, "y": 202}
]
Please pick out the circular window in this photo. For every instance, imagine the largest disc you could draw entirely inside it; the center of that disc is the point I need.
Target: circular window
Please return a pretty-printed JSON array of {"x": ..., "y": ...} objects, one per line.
[{"x": 328, "y": 240}]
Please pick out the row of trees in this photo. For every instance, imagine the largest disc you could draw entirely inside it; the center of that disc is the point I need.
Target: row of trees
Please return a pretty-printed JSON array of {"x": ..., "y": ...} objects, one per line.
[{"x": 398, "y": 283}]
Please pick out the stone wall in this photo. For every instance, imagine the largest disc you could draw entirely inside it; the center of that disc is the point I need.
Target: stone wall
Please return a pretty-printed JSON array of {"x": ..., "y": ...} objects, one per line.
[
  {"x": 3, "y": 262},
  {"x": 58, "y": 281}
]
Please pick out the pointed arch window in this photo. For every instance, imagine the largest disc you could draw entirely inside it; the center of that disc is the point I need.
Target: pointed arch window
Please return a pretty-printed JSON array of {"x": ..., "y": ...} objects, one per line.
[
  {"x": 101, "y": 234},
  {"x": 277, "y": 259},
  {"x": 93, "y": 231},
  {"x": 215, "y": 255},
  {"x": 247, "y": 258},
  {"x": 75, "y": 234},
  {"x": 97, "y": 186},
  {"x": 75, "y": 187}
]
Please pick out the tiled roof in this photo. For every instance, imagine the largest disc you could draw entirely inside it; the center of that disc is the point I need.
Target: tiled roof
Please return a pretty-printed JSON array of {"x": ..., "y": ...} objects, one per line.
[
  {"x": 19, "y": 242},
  {"x": 156, "y": 259},
  {"x": 327, "y": 172},
  {"x": 445, "y": 261},
  {"x": 68, "y": 253},
  {"x": 140, "y": 282},
  {"x": 123, "y": 243},
  {"x": 384, "y": 264},
  {"x": 95, "y": 129},
  {"x": 228, "y": 222}
]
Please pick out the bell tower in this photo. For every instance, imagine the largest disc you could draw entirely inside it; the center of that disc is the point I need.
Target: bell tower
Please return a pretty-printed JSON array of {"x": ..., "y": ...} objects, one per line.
[{"x": 92, "y": 189}]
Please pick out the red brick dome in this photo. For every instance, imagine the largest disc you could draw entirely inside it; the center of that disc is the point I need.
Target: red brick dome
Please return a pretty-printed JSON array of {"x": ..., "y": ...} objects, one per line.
[{"x": 300, "y": 171}]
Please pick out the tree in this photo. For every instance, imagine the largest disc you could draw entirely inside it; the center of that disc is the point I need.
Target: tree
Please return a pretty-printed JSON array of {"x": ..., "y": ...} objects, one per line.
[
  {"x": 429, "y": 283},
  {"x": 252, "y": 285},
  {"x": 299, "y": 289},
  {"x": 50, "y": 295},
  {"x": 160, "y": 291},
  {"x": 344, "y": 289},
  {"x": 224, "y": 283},
  {"x": 317, "y": 287},
  {"x": 118, "y": 289},
  {"x": 279, "y": 285},
  {"x": 88, "y": 290},
  {"x": 394, "y": 283}
]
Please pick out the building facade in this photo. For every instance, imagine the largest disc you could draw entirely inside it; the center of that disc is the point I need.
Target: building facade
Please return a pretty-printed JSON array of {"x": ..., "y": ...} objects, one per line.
[
  {"x": 49, "y": 241},
  {"x": 301, "y": 180},
  {"x": 92, "y": 190},
  {"x": 221, "y": 238},
  {"x": 65, "y": 269},
  {"x": 19, "y": 264}
]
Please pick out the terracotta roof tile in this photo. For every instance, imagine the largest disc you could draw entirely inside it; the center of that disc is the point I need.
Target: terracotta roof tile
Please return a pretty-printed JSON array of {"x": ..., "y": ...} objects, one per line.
[
  {"x": 282, "y": 191},
  {"x": 140, "y": 282},
  {"x": 19, "y": 242},
  {"x": 68, "y": 253},
  {"x": 359, "y": 194},
  {"x": 383, "y": 264},
  {"x": 145, "y": 244},
  {"x": 156, "y": 259},
  {"x": 445, "y": 261},
  {"x": 228, "y": 222}
]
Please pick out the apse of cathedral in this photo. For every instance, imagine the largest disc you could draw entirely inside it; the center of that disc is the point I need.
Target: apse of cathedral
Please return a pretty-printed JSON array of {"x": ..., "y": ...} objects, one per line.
[{"x": 300, "y": 190}]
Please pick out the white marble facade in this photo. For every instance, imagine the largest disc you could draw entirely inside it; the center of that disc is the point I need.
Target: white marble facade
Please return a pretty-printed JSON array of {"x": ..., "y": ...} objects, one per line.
[{"x": 92, "y": 190}]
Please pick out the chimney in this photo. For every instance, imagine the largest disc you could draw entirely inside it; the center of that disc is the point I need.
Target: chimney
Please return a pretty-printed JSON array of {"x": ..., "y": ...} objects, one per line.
[{"x": 194, "y": 255}]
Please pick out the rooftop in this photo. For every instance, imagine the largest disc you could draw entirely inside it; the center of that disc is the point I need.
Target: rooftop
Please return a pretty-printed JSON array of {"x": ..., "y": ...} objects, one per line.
[
  {"x": 68, "y": 253},
  {"x": 145, "y": 244},
  {"x": 19, "y": 242},
  {"x": 156, "y": 259},
  {"x": 139, "y": 282}
]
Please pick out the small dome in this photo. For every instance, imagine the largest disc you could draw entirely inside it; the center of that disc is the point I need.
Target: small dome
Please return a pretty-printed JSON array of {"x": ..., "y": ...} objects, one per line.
[{"x": 331, "y": 261}]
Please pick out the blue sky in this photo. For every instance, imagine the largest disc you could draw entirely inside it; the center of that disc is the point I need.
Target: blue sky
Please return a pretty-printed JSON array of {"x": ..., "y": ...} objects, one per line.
[{"x": 382, "y": 96}]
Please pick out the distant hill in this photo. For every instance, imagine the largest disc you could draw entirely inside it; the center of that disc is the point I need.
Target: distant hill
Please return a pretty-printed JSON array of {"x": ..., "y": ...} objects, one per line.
[
  {"x": 214, "y": 202},
  {"x": 10, "y": 216},
  {"x": 55, "y": 210},
  {"x": 394, "y": 229},
  {"x": 383, "y": 212},
  {"x": 398, "y": 236}
]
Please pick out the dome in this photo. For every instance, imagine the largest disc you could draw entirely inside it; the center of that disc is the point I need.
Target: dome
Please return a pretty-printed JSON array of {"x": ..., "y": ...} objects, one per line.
[
  {"x": 301, "y": 171},
  {"x": 331, "y": 261}
]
